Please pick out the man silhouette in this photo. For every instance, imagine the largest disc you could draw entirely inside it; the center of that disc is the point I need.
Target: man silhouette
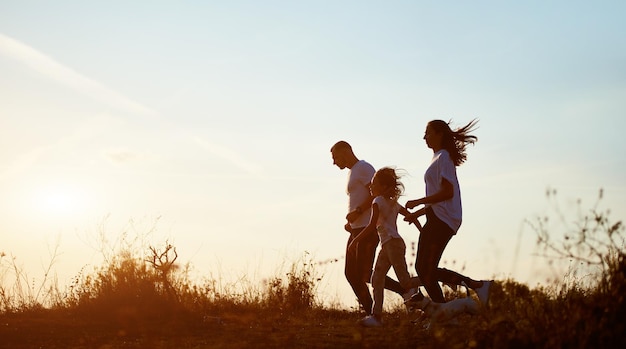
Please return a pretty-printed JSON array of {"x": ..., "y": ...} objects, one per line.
[{"x": 359, "y": 262}]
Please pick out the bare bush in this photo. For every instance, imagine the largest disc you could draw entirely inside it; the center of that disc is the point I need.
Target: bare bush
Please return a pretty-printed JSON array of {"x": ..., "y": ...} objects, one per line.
[
  {"x": 20, "y": 292},
  {"x": 590, "y": 238}
]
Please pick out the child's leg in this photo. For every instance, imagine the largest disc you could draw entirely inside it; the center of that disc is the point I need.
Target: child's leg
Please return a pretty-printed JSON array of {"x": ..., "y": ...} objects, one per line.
[
  {"x": 396, "y": 250},
  {"x": 378, "y": 282},
  {"x": 366, "y": 253}
]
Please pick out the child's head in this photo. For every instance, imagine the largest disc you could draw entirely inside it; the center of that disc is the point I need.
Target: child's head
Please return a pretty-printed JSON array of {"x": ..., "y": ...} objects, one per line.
[{"x": 386, "y": 183}]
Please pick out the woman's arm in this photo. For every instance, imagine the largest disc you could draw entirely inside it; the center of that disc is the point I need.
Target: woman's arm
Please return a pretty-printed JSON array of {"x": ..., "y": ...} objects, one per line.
[{"x": 446, "y": 193}]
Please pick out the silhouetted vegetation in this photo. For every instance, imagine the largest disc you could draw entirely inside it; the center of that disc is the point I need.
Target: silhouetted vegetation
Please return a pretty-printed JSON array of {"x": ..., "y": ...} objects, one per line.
[{"x": 143, "y": 298}]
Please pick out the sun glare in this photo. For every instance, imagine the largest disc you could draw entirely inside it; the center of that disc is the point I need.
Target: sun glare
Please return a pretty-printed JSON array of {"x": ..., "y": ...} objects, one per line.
[{"x": 60, "y": 200}]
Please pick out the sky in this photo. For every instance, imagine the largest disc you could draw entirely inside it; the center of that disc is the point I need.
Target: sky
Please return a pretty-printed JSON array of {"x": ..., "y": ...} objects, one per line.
[{"x": 208, "y": 124}]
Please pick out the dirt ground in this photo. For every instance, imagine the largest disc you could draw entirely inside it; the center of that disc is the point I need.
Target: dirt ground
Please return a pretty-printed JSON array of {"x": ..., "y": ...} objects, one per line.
[{"x": 48, "y": 329}]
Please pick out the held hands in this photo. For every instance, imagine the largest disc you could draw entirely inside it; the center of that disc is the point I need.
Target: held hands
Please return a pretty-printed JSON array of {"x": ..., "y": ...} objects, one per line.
[
  {"x": 412, "y": 217},
  {"x": 413, "y": 203}
]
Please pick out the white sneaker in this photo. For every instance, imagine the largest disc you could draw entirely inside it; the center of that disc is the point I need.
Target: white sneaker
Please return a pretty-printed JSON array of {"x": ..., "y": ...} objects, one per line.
[
  {"x": 483, "y": 292},
  {"x": 370, "y": 321}
]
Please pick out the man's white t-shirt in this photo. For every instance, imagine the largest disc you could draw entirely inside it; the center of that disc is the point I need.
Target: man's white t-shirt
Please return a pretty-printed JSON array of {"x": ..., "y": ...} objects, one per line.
[
  {"x": 358, "y": 191},
  {"x": 449, "y": 211},
  {"x": 386, "y": 225}
]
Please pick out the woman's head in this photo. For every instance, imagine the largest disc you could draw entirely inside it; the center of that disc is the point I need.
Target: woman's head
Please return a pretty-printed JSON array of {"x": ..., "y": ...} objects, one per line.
[
  {"x": 439, "y": 135},
  {"x": 386, "y": 183},
  {"x": 435, "y": 132}
]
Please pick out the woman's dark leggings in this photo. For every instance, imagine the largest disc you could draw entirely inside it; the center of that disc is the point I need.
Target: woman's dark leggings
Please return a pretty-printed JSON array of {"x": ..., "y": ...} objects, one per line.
[{"x": 432, "y": 241}]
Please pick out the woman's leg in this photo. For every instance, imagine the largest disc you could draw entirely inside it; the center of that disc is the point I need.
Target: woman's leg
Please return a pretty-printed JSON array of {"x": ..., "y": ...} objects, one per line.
[
  {"x": 453, "y": 278},
  {"x": 432, "y": 241}
]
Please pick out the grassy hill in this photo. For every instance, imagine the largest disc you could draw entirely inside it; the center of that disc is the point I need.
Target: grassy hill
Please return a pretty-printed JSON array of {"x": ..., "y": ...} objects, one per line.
[{"x": 142, "y": 299}]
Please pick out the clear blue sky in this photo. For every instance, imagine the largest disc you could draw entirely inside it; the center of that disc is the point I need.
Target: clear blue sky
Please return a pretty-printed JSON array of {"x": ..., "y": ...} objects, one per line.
[{"x": 218, "y": 116}]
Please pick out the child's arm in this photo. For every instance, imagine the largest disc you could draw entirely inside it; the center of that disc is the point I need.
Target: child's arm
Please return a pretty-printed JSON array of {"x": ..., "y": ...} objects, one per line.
[
  {"x": 412, "y": 217},
  {"x": 369, "y": 229}
]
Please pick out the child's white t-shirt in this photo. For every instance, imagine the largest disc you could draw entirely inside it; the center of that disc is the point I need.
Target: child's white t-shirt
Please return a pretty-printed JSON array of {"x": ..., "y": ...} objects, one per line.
[{"x": 386, "y": 225}]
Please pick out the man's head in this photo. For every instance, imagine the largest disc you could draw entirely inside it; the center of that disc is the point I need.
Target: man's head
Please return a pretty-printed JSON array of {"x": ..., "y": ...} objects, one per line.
[{"x": 342, "y": 155}]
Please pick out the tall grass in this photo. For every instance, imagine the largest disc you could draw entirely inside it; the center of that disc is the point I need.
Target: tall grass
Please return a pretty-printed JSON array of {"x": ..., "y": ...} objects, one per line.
[
  {"x": 143, "y": 289},
  {"x": 296, "y": 290},
  {"x": 20, "y": 291},
  {"x": 587, "y": 309}
]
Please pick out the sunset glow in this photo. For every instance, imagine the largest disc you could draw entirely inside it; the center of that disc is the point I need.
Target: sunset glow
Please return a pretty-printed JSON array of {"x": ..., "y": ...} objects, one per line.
[{"x": 218, "y": 117}]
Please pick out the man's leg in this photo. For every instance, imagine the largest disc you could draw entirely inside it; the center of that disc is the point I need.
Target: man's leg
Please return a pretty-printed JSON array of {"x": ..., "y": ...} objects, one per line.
[{"x": 354, "y": 275}]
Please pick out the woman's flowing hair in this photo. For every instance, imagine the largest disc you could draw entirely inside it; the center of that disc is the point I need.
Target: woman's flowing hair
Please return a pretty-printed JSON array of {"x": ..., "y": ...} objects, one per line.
[{"x": 455, "y": 142}]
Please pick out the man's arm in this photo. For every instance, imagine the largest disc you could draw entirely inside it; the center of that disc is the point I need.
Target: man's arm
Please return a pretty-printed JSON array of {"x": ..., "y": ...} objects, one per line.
[
  {"x": 369, "y": 229},
  {"x": 358, "y": 211}
]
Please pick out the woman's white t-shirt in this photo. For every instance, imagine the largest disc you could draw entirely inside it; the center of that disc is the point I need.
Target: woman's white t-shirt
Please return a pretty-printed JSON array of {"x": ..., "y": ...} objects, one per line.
[{"x": 441, "y": 167}]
